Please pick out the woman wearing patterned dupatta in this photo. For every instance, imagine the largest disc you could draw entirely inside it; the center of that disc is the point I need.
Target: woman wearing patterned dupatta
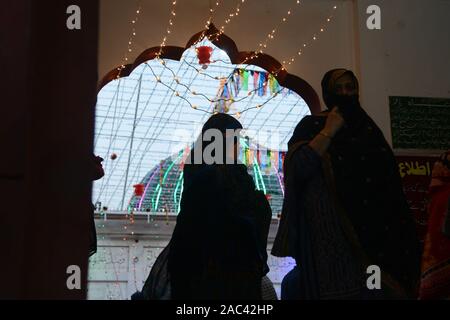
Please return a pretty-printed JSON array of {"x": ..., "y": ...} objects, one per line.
[
  {"x": 435, "y": 282},
  {"x": 344, "y": 208}
]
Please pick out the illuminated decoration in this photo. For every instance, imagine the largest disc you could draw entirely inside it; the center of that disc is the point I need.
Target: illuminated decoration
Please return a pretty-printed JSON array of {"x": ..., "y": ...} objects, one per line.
[
  {"x": 270, "y": 36},
  {"x": 164, "y": 195},
  {"x": 157, "y": 194},
  {"x": 230, "y": 17},
  {"x": 159, "y": 105},
  {"x": 305, "y": 44},
  {"x": 204, "y": 55},
  {"x": 130, "y": 40},
  {"x": 169, "y": 27},
  {"x": 138, "y": 189},
  {"x": 212, "y": 12}
]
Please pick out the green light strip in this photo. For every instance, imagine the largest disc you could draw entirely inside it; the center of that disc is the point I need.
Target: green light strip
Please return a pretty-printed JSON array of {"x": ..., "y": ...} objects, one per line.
[
  {"x": 181, "y": 193},
  {"x": 180, "y": 178},
  {"x": 256, "y": 177},
  {"x": 260, "y": 175},
  {"x": 256, "y": 170},
  {"x": 164, "y": 180},
  {"x": 159, "y": 187},
  {"x": 154, "y": 195}
]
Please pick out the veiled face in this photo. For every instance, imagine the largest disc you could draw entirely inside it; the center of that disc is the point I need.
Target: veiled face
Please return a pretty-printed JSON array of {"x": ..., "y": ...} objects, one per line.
[{"x": 345, "y": 86}]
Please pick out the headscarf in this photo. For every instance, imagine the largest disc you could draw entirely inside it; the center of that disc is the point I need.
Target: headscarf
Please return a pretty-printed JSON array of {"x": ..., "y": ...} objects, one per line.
[
  {"x": 219, "y": 121},
  {"x": 328, "y": 84}
]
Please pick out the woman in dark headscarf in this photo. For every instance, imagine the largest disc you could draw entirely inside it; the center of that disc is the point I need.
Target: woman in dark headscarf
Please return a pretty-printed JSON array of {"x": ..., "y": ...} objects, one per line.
[
  {"x": 218, "y": 247},
  {"x": 344, "y": 207}
]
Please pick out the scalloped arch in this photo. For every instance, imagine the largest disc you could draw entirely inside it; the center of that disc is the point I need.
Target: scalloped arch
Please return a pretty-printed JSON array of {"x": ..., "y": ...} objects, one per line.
[{"x": 225, "y": 43}]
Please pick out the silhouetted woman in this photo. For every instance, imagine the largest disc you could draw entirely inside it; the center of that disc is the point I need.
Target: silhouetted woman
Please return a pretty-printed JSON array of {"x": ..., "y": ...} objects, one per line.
[
  {"x": 218, "y": 248},
  {"x": 344, "y": 208}
]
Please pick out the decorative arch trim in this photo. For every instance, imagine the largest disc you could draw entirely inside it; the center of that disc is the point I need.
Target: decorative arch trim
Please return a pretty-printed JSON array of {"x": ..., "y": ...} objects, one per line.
[{"x": 225, "y": 43}]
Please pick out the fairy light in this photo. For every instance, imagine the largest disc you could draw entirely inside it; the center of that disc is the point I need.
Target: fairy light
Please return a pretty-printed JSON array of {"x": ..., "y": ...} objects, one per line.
[
  {"x": 168, "y": 29},
  {"x": 263, "y": 45},
  {"x": 177, "y": 94},
  {"x": 130, "y": 40},
  {"x": 212, "y": 12},
  {"x": 270, "y": 36},
  {"x": 207, "y": 24},
  {"x": 195, "y": 107},
  {"x": 313, "y": 38},
  {"x": 228, "y": 20}
]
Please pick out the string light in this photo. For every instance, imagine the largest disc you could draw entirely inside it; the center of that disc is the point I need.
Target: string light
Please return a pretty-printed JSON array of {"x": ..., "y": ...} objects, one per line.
[
  {"x": 212, "y": 11},
  {"x": 228, "y": 20},
  {"x": 158, "y": 79},
  {"x": 208, "y": 22},
  {"x": 269, "y": 37},
  {"x": 130, "y": 40},
  {"x": 177, "y": 94},
  {"x": 314, "y": 38},
  {"x": 168, "y": 29}
]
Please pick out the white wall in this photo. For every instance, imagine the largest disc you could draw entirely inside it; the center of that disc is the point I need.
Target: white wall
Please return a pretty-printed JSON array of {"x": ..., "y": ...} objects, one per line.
[
  {"x": 409, "y": 56},
  {"x": 127, "y": 251}
]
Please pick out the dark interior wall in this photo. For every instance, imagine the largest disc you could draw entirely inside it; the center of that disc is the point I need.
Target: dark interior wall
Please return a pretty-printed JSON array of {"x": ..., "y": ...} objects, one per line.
[{"x": 46, "y": 135}]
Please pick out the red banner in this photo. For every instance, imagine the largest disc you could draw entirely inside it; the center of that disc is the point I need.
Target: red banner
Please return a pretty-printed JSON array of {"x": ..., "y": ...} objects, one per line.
[{"x": 415, "y": 172}]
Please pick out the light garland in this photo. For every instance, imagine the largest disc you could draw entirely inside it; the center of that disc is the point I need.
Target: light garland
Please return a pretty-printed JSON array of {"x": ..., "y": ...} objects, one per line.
[
  {"x": 314, "y": 38},
  {"x": 164, "y": 64},
  {"x": 228, "y": 20},
  {"x": 177, "y": 80},
  {"x": 177, "y": 94},
  {"x": 212, "y": 12},
  {"x": 168, "y": 30},
  {"x": 130, "y": 40},
  {"x": 270, "y": 36},
  {"x": 199, "y": 71}
]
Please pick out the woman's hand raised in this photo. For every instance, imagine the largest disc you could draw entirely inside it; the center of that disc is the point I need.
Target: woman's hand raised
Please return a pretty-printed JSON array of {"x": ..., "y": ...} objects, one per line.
[{"x": 334, "y": 123}]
